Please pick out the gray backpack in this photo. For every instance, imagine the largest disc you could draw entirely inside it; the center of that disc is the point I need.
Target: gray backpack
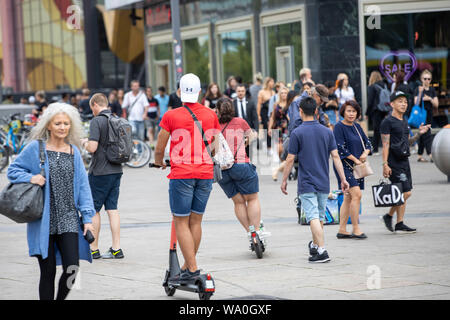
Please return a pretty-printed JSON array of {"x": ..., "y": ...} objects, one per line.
[
  {"x": 119, "y": 140},
  {"x": 384, "y": 99}
]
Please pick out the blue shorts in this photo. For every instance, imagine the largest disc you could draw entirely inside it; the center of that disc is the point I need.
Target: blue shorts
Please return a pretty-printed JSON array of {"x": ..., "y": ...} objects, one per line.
[
  {"x": 240, "y": 178},
  {"x": 189, "y": 195},
  {"x": 315, "y": 205},
  {"x": 105, "y": 190}
]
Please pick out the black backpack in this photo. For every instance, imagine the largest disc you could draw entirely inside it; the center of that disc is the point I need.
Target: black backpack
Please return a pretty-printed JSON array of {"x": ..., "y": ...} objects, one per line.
[{"x": 119, "y": 143}]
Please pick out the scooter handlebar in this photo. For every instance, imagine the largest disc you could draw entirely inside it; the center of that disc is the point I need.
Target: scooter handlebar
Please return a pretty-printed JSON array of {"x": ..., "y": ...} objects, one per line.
[{"x": 152, "y": 165}]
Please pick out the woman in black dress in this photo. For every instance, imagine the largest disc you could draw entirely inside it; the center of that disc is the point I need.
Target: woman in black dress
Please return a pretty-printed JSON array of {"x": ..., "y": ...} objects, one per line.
[
  {"x": 426, "y": 94},
  {"x": 353, "y": 147}
]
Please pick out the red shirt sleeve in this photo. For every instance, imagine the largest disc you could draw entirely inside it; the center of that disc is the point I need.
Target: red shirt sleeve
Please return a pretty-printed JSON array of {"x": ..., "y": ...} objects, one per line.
[{"x": 166, "y": 122}]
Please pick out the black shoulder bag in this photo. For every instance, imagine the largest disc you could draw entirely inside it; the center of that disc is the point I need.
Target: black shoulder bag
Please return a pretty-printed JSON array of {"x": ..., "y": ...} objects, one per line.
[{"x": 24, "y": 202}]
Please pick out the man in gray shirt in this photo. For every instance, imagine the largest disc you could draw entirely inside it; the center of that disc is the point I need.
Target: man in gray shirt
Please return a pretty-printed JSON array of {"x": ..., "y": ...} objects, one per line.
[{"x": 104, "y": 177}]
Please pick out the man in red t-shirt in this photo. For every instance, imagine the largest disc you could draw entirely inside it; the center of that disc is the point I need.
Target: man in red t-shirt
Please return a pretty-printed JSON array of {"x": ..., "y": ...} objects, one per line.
[{"x": 191, "y": 174}]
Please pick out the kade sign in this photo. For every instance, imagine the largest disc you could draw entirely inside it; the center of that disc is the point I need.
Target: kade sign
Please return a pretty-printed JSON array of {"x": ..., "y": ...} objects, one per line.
[{"x": 398, "y": 60}]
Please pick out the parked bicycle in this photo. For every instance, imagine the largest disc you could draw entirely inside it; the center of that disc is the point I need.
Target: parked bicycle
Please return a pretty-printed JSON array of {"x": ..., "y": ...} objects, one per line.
[{"x": 13, "y": 137}]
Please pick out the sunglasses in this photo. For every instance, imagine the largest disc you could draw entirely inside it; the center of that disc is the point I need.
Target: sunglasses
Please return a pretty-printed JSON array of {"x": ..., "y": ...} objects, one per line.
[{"x": 428, "y": 79}]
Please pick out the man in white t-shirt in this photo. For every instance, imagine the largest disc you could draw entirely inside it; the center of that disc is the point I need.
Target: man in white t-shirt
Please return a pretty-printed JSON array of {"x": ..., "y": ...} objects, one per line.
[{"x": 136, "y": 104}]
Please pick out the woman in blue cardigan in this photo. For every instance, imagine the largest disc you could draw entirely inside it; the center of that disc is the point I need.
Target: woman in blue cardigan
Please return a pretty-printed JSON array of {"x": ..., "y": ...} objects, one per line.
[
  {"x": 57, "y": 237},
  {"x": 353, "y": 147}
]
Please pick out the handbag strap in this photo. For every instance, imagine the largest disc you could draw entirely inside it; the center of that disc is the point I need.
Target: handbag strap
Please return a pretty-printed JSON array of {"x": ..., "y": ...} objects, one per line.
[
  {"x": 362, "y": 141},
  {"x": 225, "y": 127},
  {"x": 199, "y": 126}
]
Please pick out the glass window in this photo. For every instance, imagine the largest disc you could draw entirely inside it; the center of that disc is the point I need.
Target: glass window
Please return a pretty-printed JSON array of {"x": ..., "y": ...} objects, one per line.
[
  {"x": 162, "y": 51},
  {"x": 161, "y": 66},
  {"x": 411, "y": 42},
  {"x": 236, "y": 55},
  {"x": 290, "y": 35},
  {"x": 196, "y": 58}
]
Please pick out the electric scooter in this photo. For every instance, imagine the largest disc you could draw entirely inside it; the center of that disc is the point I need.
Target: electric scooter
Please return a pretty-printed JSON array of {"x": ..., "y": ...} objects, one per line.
[{"x": 203, "y": 284}]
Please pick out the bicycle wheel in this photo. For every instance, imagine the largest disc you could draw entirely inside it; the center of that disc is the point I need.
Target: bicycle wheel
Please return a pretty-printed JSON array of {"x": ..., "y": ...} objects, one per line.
[
  {"x": 4, "y": 158},
  {"x": 140, "y": 155}
]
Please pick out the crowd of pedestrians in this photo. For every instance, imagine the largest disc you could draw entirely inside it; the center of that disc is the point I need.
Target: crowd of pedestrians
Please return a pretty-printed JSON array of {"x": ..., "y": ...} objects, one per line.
[{"x": 313, "y": 121}]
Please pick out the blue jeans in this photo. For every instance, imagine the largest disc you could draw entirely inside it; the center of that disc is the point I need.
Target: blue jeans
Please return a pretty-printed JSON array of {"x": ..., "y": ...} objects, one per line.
[
  {"x": 315, "y": 205},
  {"x": 138, "y": 129},
  {"x": 189, "y": 195}
]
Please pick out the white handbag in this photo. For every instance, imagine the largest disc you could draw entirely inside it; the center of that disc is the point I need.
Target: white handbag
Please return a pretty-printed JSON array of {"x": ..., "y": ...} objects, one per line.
[{"x": 224, "y": 156}]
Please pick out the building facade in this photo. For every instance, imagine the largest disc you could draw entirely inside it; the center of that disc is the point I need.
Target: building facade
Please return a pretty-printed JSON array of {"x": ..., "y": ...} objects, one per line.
[
  {"x": 65, "y": 45},
  {"x": 279, "y": 37}
]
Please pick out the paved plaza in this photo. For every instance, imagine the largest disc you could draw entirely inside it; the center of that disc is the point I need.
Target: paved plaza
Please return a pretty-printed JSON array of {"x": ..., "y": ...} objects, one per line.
[{"x": 385, "y": 266}]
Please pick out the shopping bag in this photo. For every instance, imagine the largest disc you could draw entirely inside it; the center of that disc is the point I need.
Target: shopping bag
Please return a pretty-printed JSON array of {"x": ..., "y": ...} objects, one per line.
[
  {"x": 418, "y": 116},
  {"x": 331, "y": 212},
  {"x": 340, "y": 200},
  {"x": 388, "y": 194}
]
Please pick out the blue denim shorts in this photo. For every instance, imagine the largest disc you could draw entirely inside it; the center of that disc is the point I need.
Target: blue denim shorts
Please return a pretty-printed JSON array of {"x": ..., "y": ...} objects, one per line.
[
  {"x": 105, "y": 190},
  {"x": 315, "y": 205},
  {"x": 240, "y": 178},
  {"x": 189, "y": 195}
]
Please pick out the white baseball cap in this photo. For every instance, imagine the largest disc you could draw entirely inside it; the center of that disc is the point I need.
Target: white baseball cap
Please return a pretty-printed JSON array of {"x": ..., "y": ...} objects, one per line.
[{"x": 190, "y": 88}]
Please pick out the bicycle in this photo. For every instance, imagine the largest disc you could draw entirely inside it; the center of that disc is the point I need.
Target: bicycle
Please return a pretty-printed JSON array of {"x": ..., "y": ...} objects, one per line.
[
  {"x": 13, "y": 138},
  {"x": 140, "y": 155}
]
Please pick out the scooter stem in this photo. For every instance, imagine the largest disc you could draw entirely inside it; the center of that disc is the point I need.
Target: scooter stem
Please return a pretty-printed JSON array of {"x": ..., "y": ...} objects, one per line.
[{"x": 173, "y": 237}]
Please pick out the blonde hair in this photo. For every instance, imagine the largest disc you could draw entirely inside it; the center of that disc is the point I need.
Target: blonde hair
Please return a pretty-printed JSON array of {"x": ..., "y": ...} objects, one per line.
[
  {"x": 258, "y": 77},
  {"x": 426, "y": 71},
  {"x": 40, "y": 131},
  {"x": 279, "y": 94},
  {"x": 266, "y": 83},
  {"x": 303, "y": 72},
  {"x": 375, "y": 76},
  {"x": 100, "y": 99}
]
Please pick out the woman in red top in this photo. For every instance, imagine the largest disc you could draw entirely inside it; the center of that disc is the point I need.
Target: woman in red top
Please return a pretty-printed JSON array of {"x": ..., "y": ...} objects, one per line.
[{"x": 240, "y": 183}]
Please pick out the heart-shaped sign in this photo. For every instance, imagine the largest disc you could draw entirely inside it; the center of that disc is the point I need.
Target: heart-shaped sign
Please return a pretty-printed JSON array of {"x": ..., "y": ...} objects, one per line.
[{"x": 398, "y": 60}]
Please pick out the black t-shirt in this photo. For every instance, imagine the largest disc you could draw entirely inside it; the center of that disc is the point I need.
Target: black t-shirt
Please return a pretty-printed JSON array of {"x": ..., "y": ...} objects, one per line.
[
  {"x": 331, "y": 107},
  {"x": 98, "y": 131},
  {"x": 175, "y": 101},
  {"x": 153, "y": 105},
  {"x": 427, "y": 104},
  {"x": 212, "y": 102},
  {"x": 85, "y": 107},
  {"x": 399, "y": 134},
  {"x": 41, "y": 105},
  {"x": 116, "y": 108}
]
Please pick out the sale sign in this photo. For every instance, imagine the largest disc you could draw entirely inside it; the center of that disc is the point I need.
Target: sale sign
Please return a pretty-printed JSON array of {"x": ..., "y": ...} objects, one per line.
[{"x": 398, "y": 60}]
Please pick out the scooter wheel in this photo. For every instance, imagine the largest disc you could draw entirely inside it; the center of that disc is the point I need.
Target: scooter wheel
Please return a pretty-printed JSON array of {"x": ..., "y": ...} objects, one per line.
[
  {"x": 259, "y": 250},
  {"x": 202, "y": 295},
  {"x": 257, "y": 246},
  {"x": 170, "y": 291}
]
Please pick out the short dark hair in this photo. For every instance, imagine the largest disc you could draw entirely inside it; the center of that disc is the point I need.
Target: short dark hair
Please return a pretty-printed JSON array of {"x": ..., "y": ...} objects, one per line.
[
  {"x": 225, "y": 110},
  {"x": 354, "y": 105},
  {"x": 241, "y": 85},
  {"x": 162, "y": 89},
  {"x": 309, "y": 106}
]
